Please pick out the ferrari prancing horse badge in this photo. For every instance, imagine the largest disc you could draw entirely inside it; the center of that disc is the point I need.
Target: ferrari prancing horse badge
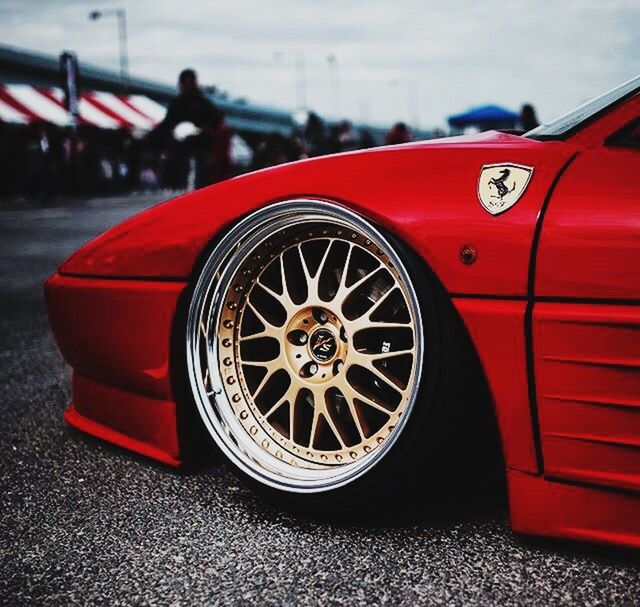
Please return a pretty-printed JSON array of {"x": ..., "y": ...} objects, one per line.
[{"x": 500, "y": 186}]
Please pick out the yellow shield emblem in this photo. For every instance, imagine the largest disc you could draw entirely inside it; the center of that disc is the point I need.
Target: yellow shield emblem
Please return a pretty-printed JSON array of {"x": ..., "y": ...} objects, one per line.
[{"x": 500, "y": 186}]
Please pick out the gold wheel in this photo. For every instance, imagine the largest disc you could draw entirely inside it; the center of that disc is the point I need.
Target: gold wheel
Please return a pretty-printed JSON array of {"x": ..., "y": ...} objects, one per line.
[{"x": 309, "y": 335}]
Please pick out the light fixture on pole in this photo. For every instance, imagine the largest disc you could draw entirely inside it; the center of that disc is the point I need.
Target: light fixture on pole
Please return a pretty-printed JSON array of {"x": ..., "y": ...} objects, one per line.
[{"x": 121, "y": 17}]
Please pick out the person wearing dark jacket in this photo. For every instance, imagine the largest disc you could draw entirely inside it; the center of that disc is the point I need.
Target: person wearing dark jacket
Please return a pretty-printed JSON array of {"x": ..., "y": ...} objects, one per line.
[
  {"x": 191, "y": 105},
  {"x": 315, "y": 136},
  {"x": 528, "y": 118},
  {"x": 398, "y": 133}
]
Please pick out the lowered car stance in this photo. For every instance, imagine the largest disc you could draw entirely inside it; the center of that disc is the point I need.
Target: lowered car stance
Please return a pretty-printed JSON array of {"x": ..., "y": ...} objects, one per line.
[{"x": 320, "y": 323}]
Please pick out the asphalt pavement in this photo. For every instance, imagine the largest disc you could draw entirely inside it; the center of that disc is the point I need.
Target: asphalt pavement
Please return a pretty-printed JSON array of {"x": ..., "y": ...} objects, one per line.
[{"x": 86, "y": 523}]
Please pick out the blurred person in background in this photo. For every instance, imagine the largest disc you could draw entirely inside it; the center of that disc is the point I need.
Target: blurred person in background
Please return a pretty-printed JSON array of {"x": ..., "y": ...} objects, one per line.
[
  {"x": 221, "y": 153},
  {"x": 315, "y": 136},
  {"x": 12, "y": 159},
  {"x": 87, "y": 166},
  {"x": 275, "y": 149},
  {"x": 147, "y": 177},
  {"x": 44, "y": 157},
  {"x": 342, "y": 138},
  {"x": 528, "y": 118},
  {"x": 192, "y": 106},
  {"x": 366, "y": 139},
  {"x": 398, "y": 133}
]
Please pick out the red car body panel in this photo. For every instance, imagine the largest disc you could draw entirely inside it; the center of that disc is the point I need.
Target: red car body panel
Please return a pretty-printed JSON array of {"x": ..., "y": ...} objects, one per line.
[
  {"x": 587, "y": 358},
  {"x": 116, "y": 334},
  {"x": 596, "y": 132},
  {"x": 117, "y": 331},
  {"x": 145, "y": 425},
  {"x": 424, "y": 193},
  {"x": 591, "y": 238},
  {"x": 550, "y": 305},
  {"x": 497, "y": 327},
  {"x": 539, "y": 506}
]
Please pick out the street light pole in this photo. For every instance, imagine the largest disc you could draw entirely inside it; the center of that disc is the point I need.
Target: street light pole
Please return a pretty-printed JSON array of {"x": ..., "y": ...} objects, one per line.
[
  {"x": 121, "y": 17},
  {"x": 413, "y": 103},
  {"x": 332, "y": 60},
  {"x": 301, "y": 81},
  {"x": 123, "y": 44}
]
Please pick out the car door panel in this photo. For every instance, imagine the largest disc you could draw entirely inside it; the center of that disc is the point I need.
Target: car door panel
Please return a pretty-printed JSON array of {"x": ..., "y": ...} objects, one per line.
[
  {"x": 590, "y": 240},
  {"x": 586, "y": 329}
]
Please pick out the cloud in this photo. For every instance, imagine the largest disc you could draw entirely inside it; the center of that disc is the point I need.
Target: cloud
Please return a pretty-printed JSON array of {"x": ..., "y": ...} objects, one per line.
[{"x": 395, "y": 57}]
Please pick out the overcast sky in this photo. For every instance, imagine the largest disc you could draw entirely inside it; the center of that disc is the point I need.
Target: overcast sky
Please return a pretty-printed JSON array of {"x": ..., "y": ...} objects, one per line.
[{"x": 396, "y": 59}]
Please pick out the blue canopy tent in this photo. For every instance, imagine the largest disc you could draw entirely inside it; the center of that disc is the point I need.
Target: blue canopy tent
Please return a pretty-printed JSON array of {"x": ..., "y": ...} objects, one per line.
[{"x": 484, "y": 118}]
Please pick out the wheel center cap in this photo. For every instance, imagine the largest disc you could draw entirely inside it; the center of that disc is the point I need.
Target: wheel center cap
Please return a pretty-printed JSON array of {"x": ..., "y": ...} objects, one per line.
[{"x": 323, "y": 345}]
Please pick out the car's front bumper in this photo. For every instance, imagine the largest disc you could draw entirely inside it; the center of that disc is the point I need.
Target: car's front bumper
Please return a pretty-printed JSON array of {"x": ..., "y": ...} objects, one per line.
[{"x": 116, "y": 335}]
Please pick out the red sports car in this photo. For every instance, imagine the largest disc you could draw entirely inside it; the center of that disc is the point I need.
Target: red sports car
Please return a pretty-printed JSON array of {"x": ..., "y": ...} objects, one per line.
[{"x": 322, "y": 321}]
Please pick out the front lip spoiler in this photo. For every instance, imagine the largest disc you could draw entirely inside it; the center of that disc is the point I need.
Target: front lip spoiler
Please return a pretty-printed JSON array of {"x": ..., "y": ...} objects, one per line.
[{"x": 84, "y": 424}]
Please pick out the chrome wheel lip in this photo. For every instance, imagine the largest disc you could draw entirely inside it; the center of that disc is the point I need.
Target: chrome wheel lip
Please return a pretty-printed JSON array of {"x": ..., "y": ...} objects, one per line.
[{"x": 217, "y": 412}]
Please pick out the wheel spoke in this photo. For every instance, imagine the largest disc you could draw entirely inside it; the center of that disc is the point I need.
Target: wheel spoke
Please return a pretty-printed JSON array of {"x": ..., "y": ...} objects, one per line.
[
  {"x": 342, "y": 290},
  {"x": 287, "y": 397},
  {"x": 253, "y": 363},
  {"x": 387, "y": 380},
  {"x": 272, "y": 367},
  {"x": 270, "y": 330},
  {"x": 303, "y": 262},
  {"x": 314, "y": 427},
  {"x": 319, "y": 396},
  {"x": 363, "y": 323},
  {"x": 332, "y": 426},
  {"x": 364, "y": 358},
  {"x": 345, "y": 291},
  {"x": 353, "y": 393},
  {"x": 271, "y": 292},
  {"x": 354, "y": 415},
  {"x": 293, "y": 403},
  {"x": 313, "y": 283},
  {"x": 285, "y": 298},
  {"x": 380, "y": 302}
]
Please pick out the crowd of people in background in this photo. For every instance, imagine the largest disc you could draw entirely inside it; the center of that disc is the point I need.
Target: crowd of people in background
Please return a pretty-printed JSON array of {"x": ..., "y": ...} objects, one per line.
[
  {"x": 311, "y": 140},
  {"x": 43, "y": 161}
]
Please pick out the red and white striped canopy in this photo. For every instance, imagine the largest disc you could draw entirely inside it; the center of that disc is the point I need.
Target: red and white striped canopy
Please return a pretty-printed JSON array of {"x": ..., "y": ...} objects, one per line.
[{"x": 23, "y": 103}]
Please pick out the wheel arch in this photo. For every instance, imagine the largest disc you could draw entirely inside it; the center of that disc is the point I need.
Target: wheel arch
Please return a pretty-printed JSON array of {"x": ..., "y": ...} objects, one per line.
[{"x": 479, "y": 402}]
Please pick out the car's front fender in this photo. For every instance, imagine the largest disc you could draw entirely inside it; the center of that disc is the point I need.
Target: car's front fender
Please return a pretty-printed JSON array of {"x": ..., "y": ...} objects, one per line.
[{"x": 426, "y": 194}]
